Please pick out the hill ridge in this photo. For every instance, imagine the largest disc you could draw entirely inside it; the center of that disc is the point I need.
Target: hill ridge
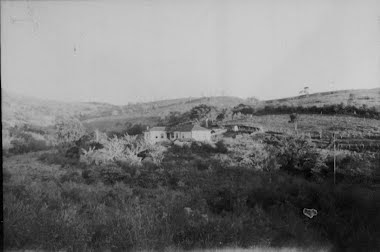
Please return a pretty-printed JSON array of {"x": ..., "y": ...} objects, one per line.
[{"x": 20, "y": 109}]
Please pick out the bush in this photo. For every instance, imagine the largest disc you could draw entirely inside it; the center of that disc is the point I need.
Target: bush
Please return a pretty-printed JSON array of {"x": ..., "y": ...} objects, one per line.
[
  {"x": 26, "y": 143},
  {"x": 221, "y": 147},
  {"x": 115, "y": 149},
  {"x": 296, "y": 155},
  {"x": 112, "y": 174},
  {"x": 57, "y": 158},
  {"x": 156, "y": 152},
  {"x": 69, "y": 131}
]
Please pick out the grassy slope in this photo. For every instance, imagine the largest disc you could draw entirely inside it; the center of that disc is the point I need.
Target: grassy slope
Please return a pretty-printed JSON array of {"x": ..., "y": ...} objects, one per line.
[
  {"x": 18, "y": 109},
  {"x": 370, "y": 97},
  {"x": 149, "y": 113}
]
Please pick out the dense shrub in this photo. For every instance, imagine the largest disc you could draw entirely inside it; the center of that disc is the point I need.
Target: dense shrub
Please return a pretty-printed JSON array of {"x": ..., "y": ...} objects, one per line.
[
  {"x": 26, "y": 138},
  {"x": 254, "y": 156},
  {"x": 111, "y": 174},
  {"x": 346, "y": 215},
  {"x": 115, "y": 149},
  {"x": 56, "y": 157},
  {"x": 73, "y": 152},
  {"x": 68, "y": 131},
  {"x": 296, "y": 155}
]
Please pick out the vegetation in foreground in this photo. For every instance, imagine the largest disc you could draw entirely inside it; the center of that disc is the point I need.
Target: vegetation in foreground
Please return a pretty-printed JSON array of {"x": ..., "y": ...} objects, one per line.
[
  {"x": 115, "y": 191},
  {"x": 242, "y": 192}
]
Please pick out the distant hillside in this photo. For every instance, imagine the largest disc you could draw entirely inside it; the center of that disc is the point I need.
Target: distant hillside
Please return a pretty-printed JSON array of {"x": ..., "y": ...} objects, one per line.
[
  {"x": 162, "y": 108},
  {"x": 369, "y": 97},
  {"x": 150, "y": 113},
  {"x": 17, "y": 109}
]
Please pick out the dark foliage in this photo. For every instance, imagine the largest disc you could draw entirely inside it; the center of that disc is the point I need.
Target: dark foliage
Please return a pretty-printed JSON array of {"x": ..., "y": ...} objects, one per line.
[
  {"x": 201, "y": 112},
  {"x": 26, "y": 143},
  {"x": 136, "y": 129},
  {"x": 221, "y": 147},
  {"x": 73, "y": 153},
  {"x": 296, "y": 155},
  {"x": 59, "y": 158}
]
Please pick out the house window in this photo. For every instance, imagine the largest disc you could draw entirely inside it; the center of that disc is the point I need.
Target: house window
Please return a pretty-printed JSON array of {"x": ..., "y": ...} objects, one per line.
[
  {"x": 162, "y": 135},
  {"x": 176, "y": 135},
  {"x": 183, "y": 136},
  {"x": 156, "y": 136}
]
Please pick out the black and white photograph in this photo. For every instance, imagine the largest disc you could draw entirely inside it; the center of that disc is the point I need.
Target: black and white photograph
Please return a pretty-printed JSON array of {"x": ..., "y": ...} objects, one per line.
[{"x": 190, "y": 125}]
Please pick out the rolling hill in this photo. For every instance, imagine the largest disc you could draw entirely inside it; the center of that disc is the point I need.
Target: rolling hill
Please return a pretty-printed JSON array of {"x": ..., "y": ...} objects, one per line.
[{"x": 17, "y": 109}]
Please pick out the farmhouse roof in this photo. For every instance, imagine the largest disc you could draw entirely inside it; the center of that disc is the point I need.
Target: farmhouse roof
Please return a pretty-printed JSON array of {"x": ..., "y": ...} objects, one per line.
[
  {"x": 188, "y": 128},
  {"x": 158, "y": 129},
  {"x": 199, "y": 128}
]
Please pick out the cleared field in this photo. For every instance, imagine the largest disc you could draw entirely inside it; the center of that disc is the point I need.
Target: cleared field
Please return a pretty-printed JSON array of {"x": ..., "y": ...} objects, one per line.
[
  {"x": 343, "y": 126},
  {"x": 352, "y": 133}
]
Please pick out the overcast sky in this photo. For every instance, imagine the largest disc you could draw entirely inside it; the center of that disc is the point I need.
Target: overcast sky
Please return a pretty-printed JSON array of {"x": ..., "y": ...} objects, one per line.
[{"x": 128, "y": 51}]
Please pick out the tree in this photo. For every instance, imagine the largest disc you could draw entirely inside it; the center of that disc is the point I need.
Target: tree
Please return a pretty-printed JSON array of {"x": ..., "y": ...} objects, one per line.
[
  {"x": 136, "y": 129},
  {"x": 203, "y": 112},
  {"x": 243, "y": 109},
  {"x": 305, "y": 91},
  {"x": 294, "y": 119},
  {"x": 222, "y": 115}
]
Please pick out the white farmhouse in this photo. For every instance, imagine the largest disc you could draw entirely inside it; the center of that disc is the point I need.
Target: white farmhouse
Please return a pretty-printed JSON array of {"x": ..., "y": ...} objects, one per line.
[{"x": 183, "y": 132}]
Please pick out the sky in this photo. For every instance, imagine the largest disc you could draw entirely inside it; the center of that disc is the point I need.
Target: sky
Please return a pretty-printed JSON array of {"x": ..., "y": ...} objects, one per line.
[{"x": 144, "y": 50}]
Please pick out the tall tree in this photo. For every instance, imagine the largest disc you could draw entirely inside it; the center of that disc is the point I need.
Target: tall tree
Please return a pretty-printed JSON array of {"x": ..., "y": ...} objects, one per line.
[{"x": 203, "y": 112}]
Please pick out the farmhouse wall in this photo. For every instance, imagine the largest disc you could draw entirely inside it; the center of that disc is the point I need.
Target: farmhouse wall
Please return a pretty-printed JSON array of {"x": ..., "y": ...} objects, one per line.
[
  {"x": 201, "y": 135},
  {"x": 155, "y": 136}
]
